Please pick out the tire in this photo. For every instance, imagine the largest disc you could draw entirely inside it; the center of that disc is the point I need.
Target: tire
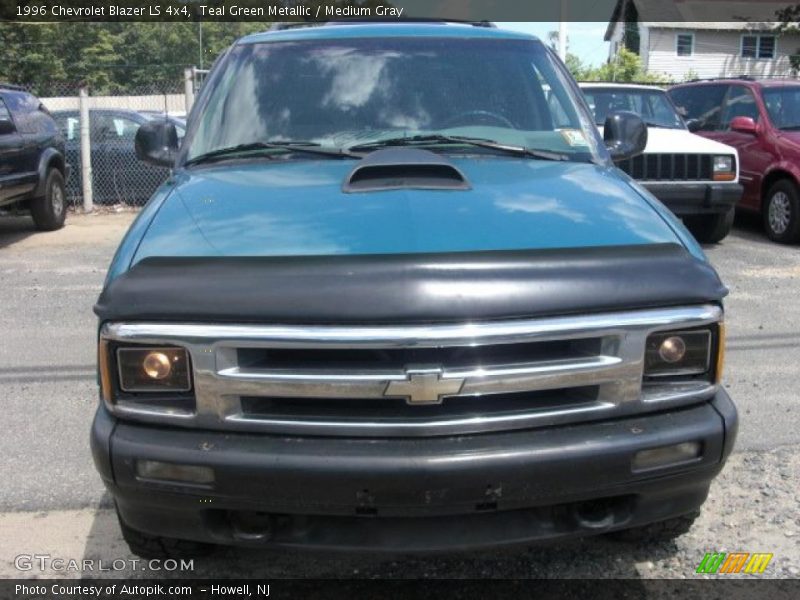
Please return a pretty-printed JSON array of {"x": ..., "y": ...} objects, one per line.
[
  {"x": 151, "y": 546},
  {"x": 710, "y": 229},
  {"x": 50, "y": 210},
  {"x": 661, "y": 531},
  {"x": 781, "y": 212}
]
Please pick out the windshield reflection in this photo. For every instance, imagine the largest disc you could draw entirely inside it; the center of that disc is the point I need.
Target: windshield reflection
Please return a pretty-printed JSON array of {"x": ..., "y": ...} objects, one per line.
[{"x": 341, "y": 92}]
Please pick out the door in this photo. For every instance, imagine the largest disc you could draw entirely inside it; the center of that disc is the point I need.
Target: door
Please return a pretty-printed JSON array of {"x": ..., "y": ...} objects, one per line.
[
  {"x": 12, "y": 165},
  {"x": 756, "y": 153},
  {"x": 24, "y": 109}
]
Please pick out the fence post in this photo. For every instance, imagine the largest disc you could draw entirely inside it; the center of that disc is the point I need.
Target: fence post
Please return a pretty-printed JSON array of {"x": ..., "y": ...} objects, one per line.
[
  {"x": 188, "y": 88},
  {"x": 86, "y": 151}
]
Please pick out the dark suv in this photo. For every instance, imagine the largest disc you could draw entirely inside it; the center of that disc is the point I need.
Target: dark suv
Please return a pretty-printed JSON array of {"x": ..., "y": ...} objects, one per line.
[
  {"x": 32, "y": 165},
  {"x": 761, "y": 119}
]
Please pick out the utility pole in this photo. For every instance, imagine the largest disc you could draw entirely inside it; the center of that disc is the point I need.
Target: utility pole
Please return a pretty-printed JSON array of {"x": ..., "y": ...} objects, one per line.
[{"x": 562, "y": 32}]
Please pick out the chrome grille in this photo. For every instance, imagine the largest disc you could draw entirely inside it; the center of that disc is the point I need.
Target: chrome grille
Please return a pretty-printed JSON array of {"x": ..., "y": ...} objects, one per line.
[
  {"x": 668, "y": 167},
  {"x": 438, "y": 379}
]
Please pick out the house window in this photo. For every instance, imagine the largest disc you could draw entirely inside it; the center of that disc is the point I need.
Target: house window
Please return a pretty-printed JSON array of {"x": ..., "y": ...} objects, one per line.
[
  {"x": 758, "y": 46},
  {"x": 684, "y": 43}
]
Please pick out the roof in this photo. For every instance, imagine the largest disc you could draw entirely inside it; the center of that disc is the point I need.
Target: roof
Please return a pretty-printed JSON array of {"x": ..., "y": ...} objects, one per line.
[
  {"x": 393, "y": 29},
  {"x": 734, "y": 15},
  {"x": 11, "y": 86},
  {"x": 765, "y": 82},
  {"x": 613, "y": 84}
]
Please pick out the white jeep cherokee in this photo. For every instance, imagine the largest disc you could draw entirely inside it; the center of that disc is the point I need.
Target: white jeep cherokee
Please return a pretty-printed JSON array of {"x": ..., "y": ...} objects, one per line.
[{"x": 697, "y": 178}]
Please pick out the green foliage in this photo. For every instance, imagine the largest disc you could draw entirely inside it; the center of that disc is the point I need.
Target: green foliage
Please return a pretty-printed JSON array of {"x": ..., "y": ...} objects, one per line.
[
  {"x": 690, "y": 75},
  {"x": 53, "y": 58},
  {"x": 575, "y": 65},
  {"x": 625, "y": 68}
]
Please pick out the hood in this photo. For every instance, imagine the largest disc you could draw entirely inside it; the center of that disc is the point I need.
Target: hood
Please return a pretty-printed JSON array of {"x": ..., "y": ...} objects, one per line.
[
  {"x": 296, "y": 208},
  {"x": 681, "y": 141}
]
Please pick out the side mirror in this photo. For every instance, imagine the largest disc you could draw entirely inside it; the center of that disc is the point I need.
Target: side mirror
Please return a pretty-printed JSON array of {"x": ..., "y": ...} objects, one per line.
[
  {"x": 625, "y": 135},
  {"x": 744, "y": 125},
  {"x": 6, "y": 126},
  {"x": 694, "y": 125},
  {"x": 157, "y": 143}
]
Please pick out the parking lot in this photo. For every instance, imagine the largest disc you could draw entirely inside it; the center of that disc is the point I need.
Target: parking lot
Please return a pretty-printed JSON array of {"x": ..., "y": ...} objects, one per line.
[{"x": 52, "y": 501}]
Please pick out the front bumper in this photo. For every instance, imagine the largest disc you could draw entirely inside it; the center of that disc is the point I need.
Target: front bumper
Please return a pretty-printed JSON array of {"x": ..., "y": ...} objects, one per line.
[
  {"x": 687, "y": 198},
  {"x": 413, "y": 494}
]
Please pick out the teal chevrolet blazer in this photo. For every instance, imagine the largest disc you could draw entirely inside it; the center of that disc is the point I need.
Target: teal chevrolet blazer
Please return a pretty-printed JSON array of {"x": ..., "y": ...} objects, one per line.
[{"x": 396, "y": 296}]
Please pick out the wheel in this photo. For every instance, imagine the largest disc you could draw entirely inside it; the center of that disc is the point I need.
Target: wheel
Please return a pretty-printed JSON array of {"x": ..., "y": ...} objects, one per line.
[
  {"x": 49, "y": 211},
  {"x": 781, "y": 212},
  {"x": 661, "y": 531},
  {"x": 710, "y": 229},
  {"x": 151, "y": 546}
]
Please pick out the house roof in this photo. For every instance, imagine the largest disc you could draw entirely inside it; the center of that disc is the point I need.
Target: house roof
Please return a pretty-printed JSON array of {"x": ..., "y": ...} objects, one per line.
[{"x": 721, "y": 15}]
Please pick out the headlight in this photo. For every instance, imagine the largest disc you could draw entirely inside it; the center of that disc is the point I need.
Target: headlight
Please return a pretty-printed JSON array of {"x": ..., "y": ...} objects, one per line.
[
  {"x": 724, "y": 168},
  {"x": 678, "y": 353},
  {"x": 158, "y": 369}
]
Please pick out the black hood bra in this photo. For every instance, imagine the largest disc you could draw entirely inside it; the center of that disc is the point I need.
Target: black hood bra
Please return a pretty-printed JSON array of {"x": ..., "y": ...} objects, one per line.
[{"x": 409, "y": 288}]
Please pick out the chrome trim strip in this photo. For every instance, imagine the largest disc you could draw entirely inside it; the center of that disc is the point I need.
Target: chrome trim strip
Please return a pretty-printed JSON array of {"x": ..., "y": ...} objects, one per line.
[
  {"x": 414, "y": 336},
  {"x": 219, "y": 381},
  {"x": 365, "y": 385}
]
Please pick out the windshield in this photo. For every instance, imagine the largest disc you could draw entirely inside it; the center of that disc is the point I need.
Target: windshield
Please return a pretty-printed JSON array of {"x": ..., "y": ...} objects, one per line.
[
  {"x": 652, "y": 105},
  {"x": 351, "y": 92},
  {"x": 783, "y": 106}
]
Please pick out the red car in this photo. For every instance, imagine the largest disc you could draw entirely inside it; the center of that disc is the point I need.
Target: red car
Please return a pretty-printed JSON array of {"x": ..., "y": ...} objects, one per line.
[{"x": 761, "y": 118}]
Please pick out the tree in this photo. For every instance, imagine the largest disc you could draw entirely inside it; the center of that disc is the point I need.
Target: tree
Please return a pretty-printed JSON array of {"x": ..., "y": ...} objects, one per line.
[
  {"x": 53, "y": 59},
  {"x": 575, "y": 65},
  {"x": 625, "y": 67},
  {"x": 788, "y": 22}
]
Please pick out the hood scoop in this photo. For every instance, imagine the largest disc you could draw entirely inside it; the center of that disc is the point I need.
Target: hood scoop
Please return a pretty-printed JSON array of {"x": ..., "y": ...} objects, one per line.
[{"x": 404, "y": 168}]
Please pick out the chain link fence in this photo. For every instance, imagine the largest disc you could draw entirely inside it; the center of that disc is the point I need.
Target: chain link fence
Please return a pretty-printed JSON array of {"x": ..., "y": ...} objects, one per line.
[{"x": 103, "y": 164}]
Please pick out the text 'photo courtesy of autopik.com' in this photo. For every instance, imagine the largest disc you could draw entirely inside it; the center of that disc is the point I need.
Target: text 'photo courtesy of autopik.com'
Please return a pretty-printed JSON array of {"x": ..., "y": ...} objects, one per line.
[{"x": 399, "y": 299}]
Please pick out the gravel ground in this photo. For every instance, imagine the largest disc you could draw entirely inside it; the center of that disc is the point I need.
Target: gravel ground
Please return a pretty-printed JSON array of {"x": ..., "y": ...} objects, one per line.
[{"x": 50, "y": 281}]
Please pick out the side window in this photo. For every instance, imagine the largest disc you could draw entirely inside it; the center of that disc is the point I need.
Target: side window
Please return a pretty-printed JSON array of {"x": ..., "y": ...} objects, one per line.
[
  {"x": 125, "y": 128},
  {"x": 740, "y": 103},
  {"x": 702, "y": 103},
  {"x": 24, "y": 107},
  {"x": 69, "y": 126},
  {"x": 4, "y": 114},
  {"x": 111, "y": 128}
]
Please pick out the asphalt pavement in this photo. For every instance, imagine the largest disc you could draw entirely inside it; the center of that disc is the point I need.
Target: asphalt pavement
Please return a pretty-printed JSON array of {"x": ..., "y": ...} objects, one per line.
[{"x": 52, "y": 500}]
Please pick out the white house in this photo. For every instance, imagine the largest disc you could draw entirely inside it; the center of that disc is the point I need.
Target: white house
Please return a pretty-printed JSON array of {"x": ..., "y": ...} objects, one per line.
[{"x": 670, "y": 42}]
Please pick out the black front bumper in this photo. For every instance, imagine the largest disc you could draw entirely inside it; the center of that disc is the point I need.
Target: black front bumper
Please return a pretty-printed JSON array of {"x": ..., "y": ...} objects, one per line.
[
  {"x": 688, "y": 198},
  {"x": 414, "y": 494}
]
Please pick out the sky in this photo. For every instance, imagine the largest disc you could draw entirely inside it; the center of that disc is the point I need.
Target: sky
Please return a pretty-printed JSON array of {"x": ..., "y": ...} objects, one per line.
[{"x": 585, "y": 39}]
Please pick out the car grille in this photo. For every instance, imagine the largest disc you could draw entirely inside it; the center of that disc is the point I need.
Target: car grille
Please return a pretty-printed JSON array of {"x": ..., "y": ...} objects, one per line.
[
  {"x": 417, "y": 380},
  {"x": 668, "y": 167}
]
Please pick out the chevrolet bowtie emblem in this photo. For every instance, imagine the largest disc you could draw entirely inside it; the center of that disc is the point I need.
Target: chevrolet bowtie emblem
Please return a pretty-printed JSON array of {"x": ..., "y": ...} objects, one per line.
[{"x": 423, "y": 386}]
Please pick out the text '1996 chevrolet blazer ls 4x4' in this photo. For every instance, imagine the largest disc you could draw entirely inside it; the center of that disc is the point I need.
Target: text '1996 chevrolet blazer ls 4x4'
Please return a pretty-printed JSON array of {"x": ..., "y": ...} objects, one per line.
[{"x": 391, "y": 298}]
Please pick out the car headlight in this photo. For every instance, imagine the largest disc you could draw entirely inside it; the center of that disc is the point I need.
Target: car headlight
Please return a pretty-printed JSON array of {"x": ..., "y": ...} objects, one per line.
[
  {"x": 153, "y": 369},
  {"x": 684, "y": 353},
  {"x": 724, "y": 168}
]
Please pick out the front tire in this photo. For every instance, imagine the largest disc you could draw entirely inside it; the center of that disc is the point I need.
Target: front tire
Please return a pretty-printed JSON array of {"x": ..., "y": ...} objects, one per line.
[
  {"x": 50, "y": 210},
  {"x": 151, "y": 546},
  {"x": 781, "y": 212},
  {"x": 710, "y": 229}
]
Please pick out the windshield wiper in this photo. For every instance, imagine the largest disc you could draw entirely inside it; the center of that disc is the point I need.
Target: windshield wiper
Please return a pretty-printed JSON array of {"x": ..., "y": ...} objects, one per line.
[
  {"x": 437, "y": 138},
  {"x": 293, "y": 146}
]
